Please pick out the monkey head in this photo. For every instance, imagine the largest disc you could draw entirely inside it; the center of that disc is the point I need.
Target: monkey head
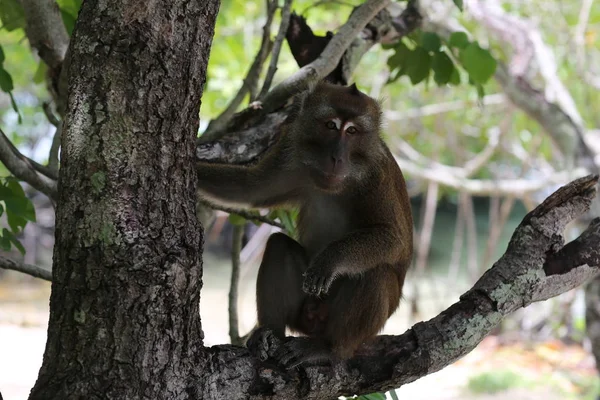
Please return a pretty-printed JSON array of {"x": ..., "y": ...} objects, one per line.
[{"x": 336, "y": 134}]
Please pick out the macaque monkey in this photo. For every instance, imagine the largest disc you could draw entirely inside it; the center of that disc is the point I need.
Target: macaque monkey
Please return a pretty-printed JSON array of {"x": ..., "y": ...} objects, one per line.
[{"x": 341, "y": 281}]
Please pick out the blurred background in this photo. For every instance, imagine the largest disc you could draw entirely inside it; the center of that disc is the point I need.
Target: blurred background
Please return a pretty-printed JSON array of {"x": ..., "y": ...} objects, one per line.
[{"x": 476, "y": 162}]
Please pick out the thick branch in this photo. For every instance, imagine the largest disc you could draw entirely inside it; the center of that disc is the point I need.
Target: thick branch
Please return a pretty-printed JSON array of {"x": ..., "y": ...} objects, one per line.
[
  {"x": 46, "y": 31},
  {"x": 42, "y": 273},
  {"x": 24, "y": 168},
  {"x": 515, "y": 281}
]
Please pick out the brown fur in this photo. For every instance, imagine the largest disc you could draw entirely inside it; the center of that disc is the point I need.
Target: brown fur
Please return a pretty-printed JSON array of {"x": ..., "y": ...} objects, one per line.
[{"x": 343, "y": 278}]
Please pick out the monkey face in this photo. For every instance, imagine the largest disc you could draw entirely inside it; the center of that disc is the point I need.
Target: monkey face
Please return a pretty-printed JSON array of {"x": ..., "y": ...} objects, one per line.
[{"x": 337, "y": 130}]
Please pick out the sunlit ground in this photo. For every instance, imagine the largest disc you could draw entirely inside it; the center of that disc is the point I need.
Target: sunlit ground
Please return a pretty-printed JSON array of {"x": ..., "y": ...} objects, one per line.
[{"x": 549, "y": 371}]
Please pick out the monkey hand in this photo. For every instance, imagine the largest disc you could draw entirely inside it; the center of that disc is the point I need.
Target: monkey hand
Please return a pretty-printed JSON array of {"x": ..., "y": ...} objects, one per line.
[
  {"x": 317, "y": 280},
  {"x": 263, "y": 343}
]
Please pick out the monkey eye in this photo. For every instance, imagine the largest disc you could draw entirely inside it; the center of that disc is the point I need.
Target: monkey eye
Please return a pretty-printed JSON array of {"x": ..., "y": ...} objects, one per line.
[
  {"x": 330, "y": 125},
  {"x": 351, "y": 130}
]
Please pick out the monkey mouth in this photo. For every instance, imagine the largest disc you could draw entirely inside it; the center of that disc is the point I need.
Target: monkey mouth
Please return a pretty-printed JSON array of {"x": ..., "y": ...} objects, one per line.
[{"x": 327, "y": 181}]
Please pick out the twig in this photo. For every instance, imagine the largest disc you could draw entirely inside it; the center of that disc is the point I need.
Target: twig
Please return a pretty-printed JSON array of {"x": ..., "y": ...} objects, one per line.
[
  {"x": 427, "y": 224},
  {"x": 249, "y": 215},
  {"x": 328, "y": 59},
  {"x": 471, "y": 226},
  {"x": 33, "y": 270},
  {"x": 215, "y": 127},
  {"x": 515, "y": 187},
  {"x": 322, "y": 2},
  {"x": 283, "y": 27},
  {"x": 50, "y": 115},
  {"x": 54, "y": 151},
  {"x": 439, "y": 108},
  {"x": 236, "y": 248},
  {"x": 25, "y": 169}
]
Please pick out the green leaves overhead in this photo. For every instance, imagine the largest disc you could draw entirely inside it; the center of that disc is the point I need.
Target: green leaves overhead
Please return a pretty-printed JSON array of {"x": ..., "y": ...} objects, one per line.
[
  {"x": 6, "y": 83},
  {"x": 478, "y": 62},
  {"x": 19, "y": 210},
  {"x": 69, "y": 9},
  {"x": 11, "y": 15},
  {"x": 421, "y": 56}
]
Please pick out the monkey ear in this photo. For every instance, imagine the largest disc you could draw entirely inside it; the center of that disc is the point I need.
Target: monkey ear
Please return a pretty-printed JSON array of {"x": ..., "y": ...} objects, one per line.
[
  {"x": 302, "y": 97},
  {"x": 354, "y": 90}
]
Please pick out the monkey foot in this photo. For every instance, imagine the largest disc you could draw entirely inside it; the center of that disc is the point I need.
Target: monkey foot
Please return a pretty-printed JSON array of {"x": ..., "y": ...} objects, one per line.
[
  {"x": 302, "y": 352},
  {"x": 263, "y": 343}
]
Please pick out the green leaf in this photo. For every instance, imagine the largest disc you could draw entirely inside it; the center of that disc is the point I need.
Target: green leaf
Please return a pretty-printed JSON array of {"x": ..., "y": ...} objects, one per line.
[
  {"x": 11, "y": 15},
  {"x": 455, "y": 77},
  {"x": 372, "y": 396},
  {"x": 478, "y": 62},
  {"x": 418, "y": 65},
  {"x": 480, "y": 90},
  {"x": 71, "y": 6},
  {"x": 2, "y": 56},
  {"x": 459, "y": 4},
  {"x": 235, "y": 219},
  {"x": 398, "y": 59},
  {"x": 431, "y": 41},
  {"x": 14, "y": 106},
  {"x": 16, "y": 222},
  {"x": 8, "y": 235},
  {"x": 4, "y": 243},
  {"x": 443, "y": 68},
  {"x": 17, "y": 203},
  {"x": 6, "y": 83},
  {"x": 1, "y": 209},
  {"x": 15, "y": 188},
  {"x": 68, "y": 20},
  {"x": 40, "y": 72},
  {"x": 459, "y": 40},
  {"x": 393, "y": 395}
]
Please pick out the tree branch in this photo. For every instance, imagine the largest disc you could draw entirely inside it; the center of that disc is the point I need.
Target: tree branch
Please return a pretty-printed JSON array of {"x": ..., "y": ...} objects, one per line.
[
  {"x": 328, "y": 59},
  {"x": 285, "y": 20},
  {"x": 35, "y": 271},
  {"x": 216, "y": 126},
  {"x": 46, "y": 31},
  {"x": 516, "y": 280},
  {"x": 236, "y": 248},
  {"x": 55, "y": 147},
  {"x": 251, "y": 131},
  {"x": 249, "y": 215},
  {"x": 25, "y": 169}
]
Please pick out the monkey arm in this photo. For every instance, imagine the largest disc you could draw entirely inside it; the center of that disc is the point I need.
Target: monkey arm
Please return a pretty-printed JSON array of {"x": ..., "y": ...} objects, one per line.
[
  {"x": 271, "y": 182},
  {"x": 354, "y": 254}
]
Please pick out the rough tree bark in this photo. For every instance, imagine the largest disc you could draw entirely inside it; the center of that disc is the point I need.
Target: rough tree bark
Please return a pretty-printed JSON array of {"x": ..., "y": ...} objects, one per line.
[{"x": 124, "y": 319}]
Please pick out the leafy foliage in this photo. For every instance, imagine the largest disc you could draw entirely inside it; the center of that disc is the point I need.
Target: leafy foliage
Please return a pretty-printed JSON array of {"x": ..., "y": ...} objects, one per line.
[
  {"x": 6, "y": 84},
  {"x": 18, "y": 209},
  {"x": 420, "y": 56}
]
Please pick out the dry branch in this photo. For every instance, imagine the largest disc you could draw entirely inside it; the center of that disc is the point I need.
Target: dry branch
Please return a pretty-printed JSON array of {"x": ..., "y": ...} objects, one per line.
[
  {"x": 25, "y": 169},
  {"x": 535, "y": 267},
  {"x": 33, "y": 270}
]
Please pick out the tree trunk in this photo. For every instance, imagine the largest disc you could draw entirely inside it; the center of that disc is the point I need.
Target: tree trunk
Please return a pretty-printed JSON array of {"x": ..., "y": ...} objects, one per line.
[{"x": 124, "y": 310}]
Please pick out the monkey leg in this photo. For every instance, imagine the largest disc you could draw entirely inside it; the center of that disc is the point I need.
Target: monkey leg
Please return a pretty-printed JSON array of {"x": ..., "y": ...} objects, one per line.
[
  {"x": 360, "y": 308},
  {"x": 279, "y": 295}
]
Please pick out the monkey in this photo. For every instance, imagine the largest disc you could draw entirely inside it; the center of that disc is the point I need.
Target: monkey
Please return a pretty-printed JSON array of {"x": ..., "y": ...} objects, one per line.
[{"x": 342, "y": 279}]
